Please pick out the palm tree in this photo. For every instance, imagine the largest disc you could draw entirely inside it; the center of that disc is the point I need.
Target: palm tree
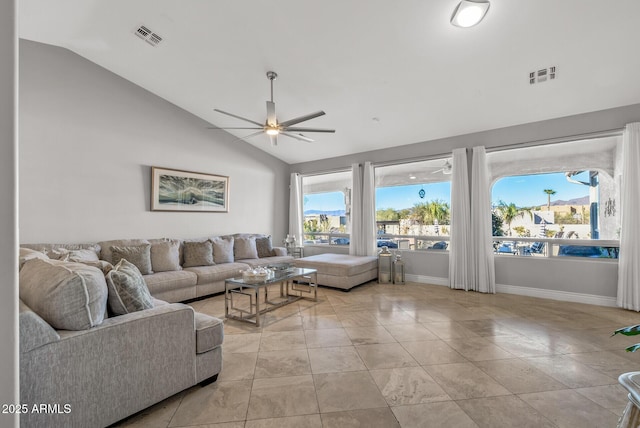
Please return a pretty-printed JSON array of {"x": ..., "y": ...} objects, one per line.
[
  {"x": 510, "y": 211},
  {"x": 549, "y": 192}
]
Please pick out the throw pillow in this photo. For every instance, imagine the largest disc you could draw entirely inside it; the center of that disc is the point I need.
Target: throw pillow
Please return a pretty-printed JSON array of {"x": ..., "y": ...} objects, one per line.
[
  {"x": 245, "y": 248},
  {"x": 80, "y": 256},
  {"x": 127, "y": 290},
  {"x": 223, "y": 250},
  {"x": 139, "y": 255},
  {"x": 264, "y": 246},
  {"x": 29, "y": 254},
  {"x": 198, "y": 253},
  {"x": 105, "y": 247},
  {"x": 165, "y": 256},
  {"x": 69, "y": 296}
]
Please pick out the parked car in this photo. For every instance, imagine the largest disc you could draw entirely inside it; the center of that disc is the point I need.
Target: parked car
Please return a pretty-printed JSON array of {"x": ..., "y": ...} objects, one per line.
[
  {"x": 340, "y": 241},
  {"x": 580, "y": 251},
  {"x": 507, "y": 248},
  {"x": 387, "y": 243},
  {"x": 440, "y": 245}
]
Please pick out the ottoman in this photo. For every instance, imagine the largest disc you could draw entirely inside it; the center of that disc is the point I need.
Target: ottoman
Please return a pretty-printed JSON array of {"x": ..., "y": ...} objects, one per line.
[{"x": 341, "y": 270}]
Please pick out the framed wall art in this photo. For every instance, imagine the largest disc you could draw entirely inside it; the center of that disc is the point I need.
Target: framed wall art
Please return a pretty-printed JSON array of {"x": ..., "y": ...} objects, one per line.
[{"x": 177, "y": 190}]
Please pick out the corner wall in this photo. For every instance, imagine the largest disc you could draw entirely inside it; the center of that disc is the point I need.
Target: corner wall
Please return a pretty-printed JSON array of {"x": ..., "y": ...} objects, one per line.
[
  {"x": 88, "y": 139},
  {"x": 9, "y": 378}
]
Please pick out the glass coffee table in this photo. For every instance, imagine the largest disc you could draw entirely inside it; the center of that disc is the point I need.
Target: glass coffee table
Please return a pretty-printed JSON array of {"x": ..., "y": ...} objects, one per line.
[{"x": 243, "y": 301}]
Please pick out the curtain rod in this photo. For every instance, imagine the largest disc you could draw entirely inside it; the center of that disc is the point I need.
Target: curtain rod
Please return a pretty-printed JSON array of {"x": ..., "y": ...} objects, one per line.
[
  {"x": 588, "y": 136},
  {"x": 325, "y": 171}
]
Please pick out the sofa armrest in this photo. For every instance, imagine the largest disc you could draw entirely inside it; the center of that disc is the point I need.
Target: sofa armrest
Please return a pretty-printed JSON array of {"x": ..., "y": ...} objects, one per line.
[
  {"x": 279, "y": 251},
  {"x": 34, "y": 331}
]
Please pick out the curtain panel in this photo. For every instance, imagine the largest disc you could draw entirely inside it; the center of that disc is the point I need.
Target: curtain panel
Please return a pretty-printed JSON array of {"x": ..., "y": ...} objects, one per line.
[
  {"x": 295, "y": 207},
  {"x": 483, "y": 277},
  {"x": 460, "y": 241},
  {"x": 629, "y": 263},
  {"x": 363, "y": 224}
]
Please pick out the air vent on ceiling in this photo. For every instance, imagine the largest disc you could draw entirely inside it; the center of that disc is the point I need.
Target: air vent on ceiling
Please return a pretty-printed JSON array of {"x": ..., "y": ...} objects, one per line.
[
  {"x": 542, "y": 75},
  {"x": 148, "y": 36}
]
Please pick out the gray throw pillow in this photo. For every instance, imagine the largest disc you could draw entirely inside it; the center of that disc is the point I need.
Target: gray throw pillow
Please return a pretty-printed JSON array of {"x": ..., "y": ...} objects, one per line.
[
  {"x": 69, "y": 296},
  {"x": 127, "y": 290},
  {"x": 223, "y": 249},
  {"x": 245, "y": 248},
  {"x": 264, "y": 246},
  {"x": 198, "y": 253},
  {"x": 139, "y": 255},
  {"x": 165, "y": 256}
]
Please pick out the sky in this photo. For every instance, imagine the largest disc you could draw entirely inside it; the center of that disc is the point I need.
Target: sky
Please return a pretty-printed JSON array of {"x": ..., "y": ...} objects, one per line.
[{"x": 521, "y": 190}]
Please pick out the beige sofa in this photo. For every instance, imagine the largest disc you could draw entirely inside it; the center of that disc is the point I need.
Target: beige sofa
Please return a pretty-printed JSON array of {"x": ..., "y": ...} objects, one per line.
[{"x": 183, "y": 283}]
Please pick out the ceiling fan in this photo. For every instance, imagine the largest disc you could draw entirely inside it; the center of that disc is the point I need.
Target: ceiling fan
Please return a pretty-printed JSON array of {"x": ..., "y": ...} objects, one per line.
[
  {"x": 446, "y": 168},
  {"x": 272, "y": 127}
]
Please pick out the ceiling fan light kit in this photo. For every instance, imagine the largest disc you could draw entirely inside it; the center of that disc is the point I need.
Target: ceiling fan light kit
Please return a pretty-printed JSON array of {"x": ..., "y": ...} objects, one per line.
[
  {"x": 469, "y": 13},
  {"x": 272, "y": 127}
]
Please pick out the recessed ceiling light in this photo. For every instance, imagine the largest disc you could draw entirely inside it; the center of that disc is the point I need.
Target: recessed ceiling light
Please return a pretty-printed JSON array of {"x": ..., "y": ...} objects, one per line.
[{"x": 469, "y": 12}]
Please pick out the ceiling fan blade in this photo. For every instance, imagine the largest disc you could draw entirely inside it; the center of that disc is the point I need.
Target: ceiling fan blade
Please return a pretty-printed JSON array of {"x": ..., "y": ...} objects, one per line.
[
  {"x": 302, "y": 118},
  {"x": 298, "y": 137},
  {"x": 297, "y": 129},
  {"x": 239, "y": 117},
  {"x": 216, "y": 127},
  {"x": 438, "y": 170},
  {"x": 274, "y": 140},
  {"x": 271, "y": 114},
  {"x": 252, "y": 135}
]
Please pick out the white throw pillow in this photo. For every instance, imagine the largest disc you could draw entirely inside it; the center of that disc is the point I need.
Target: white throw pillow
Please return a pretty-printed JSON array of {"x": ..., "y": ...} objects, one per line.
[{"x": 245, "y": 248}]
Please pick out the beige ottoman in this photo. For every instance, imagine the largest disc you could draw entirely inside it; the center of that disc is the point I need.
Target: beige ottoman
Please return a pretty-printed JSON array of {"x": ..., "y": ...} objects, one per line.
[{"x": 341, "y": 270}]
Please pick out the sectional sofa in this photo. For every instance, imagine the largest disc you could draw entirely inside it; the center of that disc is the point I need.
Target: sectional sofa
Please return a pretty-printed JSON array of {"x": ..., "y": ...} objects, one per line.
[{"x": 86, "y": 358}]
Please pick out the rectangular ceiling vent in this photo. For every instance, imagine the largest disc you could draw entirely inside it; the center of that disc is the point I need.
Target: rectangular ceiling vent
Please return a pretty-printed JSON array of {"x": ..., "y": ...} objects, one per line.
[
  {"x": 148, "y": 36},
  {"x": 542, "y": 75}
]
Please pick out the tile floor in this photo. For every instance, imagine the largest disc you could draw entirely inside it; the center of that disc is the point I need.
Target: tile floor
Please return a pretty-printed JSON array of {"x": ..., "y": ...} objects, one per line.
[{"x": 412, "y": 355}]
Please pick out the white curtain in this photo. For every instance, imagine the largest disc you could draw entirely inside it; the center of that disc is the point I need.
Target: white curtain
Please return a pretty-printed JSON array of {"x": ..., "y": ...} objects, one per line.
[
  {"x": 295, "y": 207},
  {"x": 369, "y": 210},
  {"x": 460, "y": 241},
  {"x": 362, "y": 211},
  {"x": 629, "y": 263},
  {"x": 482, "y": 274}
]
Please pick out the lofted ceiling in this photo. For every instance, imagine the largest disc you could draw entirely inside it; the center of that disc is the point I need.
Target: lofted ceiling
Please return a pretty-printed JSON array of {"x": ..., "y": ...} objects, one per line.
[{"x": 387, "y": 73}]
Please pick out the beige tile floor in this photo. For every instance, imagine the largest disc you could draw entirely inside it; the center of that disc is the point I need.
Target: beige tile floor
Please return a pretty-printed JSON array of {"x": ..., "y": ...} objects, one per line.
[{"x": 412, "y": 355}]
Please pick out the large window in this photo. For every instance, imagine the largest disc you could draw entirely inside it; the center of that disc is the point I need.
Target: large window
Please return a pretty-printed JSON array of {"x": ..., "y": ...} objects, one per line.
[
  {"x": 326, "y": 208},
  {"x": 558, "y": 213},
  {"x": 413, "y": 205}
]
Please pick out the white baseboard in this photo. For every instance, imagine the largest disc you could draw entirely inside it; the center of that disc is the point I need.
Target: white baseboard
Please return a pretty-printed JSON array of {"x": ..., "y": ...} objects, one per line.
[
  {"x": 423, "y": 279},
  {"x": 565, "y": 296}
]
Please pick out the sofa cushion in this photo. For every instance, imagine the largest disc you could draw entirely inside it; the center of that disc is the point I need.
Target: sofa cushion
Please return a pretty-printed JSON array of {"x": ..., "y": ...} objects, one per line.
[
  {"x": 69, "y": 296},
  {"x": 223, "y": 249},
  {"x": 198, "y": 253},
  {"x": 127, "y": 290},
  {"x": 29, "y": 254},
  {"x": 266, "y": 261},
  {"x": 245, "y": 248},
  {"x": 165, "y": 256},
  {"x": 264, "y": 246},
  {"x": 105, "y": 246},
  {"x": 209, "y": 332},
  {"x": 209, "y": 274},
  {"x": 139, "y": 255},
  {"x": 164, "y": 281}
]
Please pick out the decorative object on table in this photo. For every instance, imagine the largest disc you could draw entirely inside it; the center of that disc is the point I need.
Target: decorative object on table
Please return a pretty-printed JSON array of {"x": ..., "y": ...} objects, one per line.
[
  {"x": 176, "y": 190},
  {"x": 279, "y": 267},
  {"x": 256, "y": 275},
  {"x": 632, "y": 330},
  {"x": 289, "y": 242},
  {"x": 398, "y": 269},
  {"x": 385, "y": 266}
]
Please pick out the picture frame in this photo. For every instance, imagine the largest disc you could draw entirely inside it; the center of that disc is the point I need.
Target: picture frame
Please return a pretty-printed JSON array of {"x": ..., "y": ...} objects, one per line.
[{"x": 187, "y": 191}]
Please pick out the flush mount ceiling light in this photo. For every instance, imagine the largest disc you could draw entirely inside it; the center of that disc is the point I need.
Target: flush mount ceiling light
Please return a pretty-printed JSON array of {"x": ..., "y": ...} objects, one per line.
[{"x": 469, "y": 12}]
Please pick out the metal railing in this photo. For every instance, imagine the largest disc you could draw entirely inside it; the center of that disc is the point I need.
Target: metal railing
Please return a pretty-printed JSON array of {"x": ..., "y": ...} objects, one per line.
[
  {"x": 400, "y": 242},
  {"x": 556, "y": 247}
]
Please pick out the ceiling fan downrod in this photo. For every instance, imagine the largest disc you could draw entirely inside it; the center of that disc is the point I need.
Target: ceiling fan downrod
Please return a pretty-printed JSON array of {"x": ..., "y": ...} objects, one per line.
[{"x": 272, "y": 75}]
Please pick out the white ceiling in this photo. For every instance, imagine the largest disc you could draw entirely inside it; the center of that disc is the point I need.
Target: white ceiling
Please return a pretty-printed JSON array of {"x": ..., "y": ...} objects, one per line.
[{"x": 387, "y": 73}]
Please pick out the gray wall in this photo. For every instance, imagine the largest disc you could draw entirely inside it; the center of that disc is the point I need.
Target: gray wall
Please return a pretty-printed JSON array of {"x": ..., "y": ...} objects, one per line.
[
  {"x": 88, "y": 139},
  {"x": 9, "y": 382},
  {"x": 574, "y": 276}
]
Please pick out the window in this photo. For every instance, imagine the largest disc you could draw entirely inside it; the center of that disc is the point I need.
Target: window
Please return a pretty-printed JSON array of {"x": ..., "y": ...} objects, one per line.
[
  {"x": 572, "y": 197},
  {"x": 326, "y": 208},
  {"x": 413, "y": 202}
]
